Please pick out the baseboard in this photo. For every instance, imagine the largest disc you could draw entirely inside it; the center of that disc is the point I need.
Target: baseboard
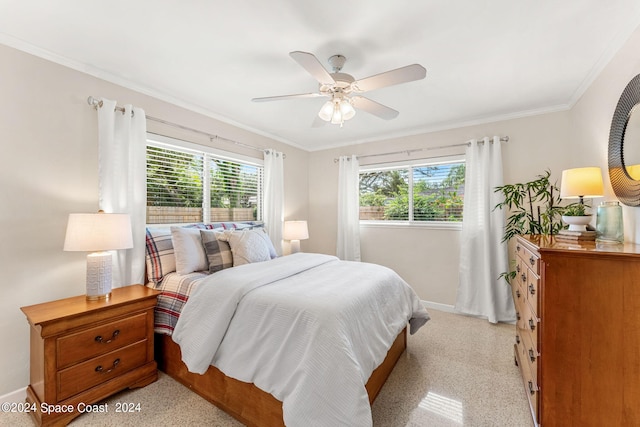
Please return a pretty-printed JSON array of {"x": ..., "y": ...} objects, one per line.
[
  {"x": 15, "y": 396},
  {"x": 439, "y": 306}
]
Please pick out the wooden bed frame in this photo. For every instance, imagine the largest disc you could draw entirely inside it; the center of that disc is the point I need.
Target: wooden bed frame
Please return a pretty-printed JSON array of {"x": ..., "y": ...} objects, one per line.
[{"x": 245, "y": 401}]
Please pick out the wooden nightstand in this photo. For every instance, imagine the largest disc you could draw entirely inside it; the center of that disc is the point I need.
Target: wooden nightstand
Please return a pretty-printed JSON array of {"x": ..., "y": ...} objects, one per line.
[{"x": 84, "y": 351}]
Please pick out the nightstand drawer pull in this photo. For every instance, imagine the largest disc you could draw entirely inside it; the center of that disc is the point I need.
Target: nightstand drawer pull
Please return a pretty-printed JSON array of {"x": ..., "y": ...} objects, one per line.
[
  {"x": 532, "y": 290},
  {"x": 532, "y": 324},
  {"x": 113, "y": 337},
  {"x": 517, "y": 339},
  {"x": 532, "y": 355},
  {"x": 531, "y": 388},
  {"x": 100, "y": 370},
  {"x": 532, "y": 261}
]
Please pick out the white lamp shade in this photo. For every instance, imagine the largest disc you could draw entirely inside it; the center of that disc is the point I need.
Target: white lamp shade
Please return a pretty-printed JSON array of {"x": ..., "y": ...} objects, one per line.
[
  {"x": 347, "y": 110},
  {"x": 295, "y": 230},
  {"x": 581, "y": 182},
  {"x": 326, "y": 111},
  {"x": 98, "y": 232}
]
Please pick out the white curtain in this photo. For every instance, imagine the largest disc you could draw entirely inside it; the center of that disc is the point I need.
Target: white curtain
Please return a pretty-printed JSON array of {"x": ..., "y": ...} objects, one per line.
[
  {"x": 122, "y": 182},
  {"x": 274, "y": 196},
  {"x": 482, "y": 255},
  {"x": 348, "y": 247}
]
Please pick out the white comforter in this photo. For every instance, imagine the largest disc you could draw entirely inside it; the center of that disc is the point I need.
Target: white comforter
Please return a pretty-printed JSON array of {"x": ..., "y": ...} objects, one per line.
[{"x": 307, "y": 328}]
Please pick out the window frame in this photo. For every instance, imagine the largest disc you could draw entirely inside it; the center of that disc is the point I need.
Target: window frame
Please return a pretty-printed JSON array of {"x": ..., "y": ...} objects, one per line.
[
  {"x": 409, "y": 164},
  {"x": 166, "y": 142}
]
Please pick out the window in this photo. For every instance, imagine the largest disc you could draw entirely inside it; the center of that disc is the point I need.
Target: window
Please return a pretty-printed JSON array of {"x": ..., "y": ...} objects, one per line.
[
  {"x": 418, "y": 193},
  {"x": 190, "y": 183}
]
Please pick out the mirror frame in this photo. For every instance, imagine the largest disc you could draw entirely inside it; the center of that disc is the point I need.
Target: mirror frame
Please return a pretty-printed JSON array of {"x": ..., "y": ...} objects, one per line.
[{"x": 624, "y": 186}]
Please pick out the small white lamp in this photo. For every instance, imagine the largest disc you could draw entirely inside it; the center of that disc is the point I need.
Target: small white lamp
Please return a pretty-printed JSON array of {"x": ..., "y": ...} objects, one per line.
[
  {"x": 295, "y": 231},
  {"x": 98, "y": 233},
  {"x": 579, "y": 183}
]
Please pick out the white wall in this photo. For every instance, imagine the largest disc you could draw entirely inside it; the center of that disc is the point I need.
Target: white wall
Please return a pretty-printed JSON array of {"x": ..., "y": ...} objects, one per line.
[{"x": 48, "y": 169}]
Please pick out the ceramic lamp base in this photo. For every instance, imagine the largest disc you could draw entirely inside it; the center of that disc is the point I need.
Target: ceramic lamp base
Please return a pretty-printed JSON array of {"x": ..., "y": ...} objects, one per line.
[
  {"x": 98, "y": 276},
  {"x": 295, "y": 246}
]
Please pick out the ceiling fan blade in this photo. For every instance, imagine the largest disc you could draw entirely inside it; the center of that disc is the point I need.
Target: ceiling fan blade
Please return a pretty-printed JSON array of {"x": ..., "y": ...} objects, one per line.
[
  {"x": 310, "y": 63},
  {"x": 283, "y": 97},
  {"x": 390, "y": 78},
  {"x": 372, "y": 107}
]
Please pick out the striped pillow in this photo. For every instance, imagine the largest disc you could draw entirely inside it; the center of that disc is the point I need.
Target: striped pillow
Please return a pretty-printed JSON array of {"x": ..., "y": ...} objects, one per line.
[
  {"x": 160, "y": 258},
  {"x": 218, "y": 252}
]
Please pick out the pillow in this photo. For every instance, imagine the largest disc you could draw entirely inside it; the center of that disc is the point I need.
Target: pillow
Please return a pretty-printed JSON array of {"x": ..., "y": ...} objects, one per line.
[
  {"x": 248, "y": 246},
  {"x": 159, "y": 254},
  {"x": 188, "y": 249},
  {"x": 217, "y": 251}
]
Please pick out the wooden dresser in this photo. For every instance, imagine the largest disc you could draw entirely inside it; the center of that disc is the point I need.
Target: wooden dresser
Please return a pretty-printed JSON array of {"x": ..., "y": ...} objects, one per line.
[
  {"x": 84, "y": 351},
  {"x": 578, "y": 331}
]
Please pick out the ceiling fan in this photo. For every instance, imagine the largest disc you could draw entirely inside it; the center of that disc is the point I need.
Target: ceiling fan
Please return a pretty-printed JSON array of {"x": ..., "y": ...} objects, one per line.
[{"x": 343, "y": 90}]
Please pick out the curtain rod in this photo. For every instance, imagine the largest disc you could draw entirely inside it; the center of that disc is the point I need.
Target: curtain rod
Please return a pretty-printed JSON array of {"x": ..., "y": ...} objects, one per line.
[
  {"x": 97, "y": 103},
  {"x": 408, "y": 152}
]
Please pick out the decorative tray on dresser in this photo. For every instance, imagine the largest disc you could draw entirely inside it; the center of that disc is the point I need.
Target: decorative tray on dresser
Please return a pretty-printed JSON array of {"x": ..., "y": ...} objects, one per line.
[
  {"x": 84, "y": 351},
  {"x": 577, "y": 338}
]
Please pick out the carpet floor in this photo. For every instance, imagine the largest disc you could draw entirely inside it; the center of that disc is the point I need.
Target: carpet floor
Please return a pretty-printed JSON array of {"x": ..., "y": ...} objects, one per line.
[{"x": 457, "y": 371}]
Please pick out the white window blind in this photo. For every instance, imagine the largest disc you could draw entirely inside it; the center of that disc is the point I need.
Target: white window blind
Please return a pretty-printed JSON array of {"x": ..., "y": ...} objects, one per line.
[
  {"x": 190, "y": 185},
  {"x": 422, "y": 192}
]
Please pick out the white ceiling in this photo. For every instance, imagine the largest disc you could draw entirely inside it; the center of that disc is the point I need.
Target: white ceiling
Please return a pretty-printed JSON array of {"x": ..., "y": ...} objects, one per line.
[{"x": 485, "y": 59}]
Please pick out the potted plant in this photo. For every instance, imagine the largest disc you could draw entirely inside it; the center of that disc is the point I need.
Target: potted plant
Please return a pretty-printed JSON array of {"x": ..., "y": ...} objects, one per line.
[{"x": 534, "y": 208}]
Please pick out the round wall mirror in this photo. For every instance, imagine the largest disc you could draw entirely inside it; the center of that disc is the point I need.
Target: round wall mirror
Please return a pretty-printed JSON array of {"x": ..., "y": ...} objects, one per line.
[{"x": 624, "y": 145}]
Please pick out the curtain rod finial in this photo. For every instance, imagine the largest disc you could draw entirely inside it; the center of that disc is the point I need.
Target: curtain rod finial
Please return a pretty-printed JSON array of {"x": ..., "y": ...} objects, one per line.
[{"x": 94, "y": 102}]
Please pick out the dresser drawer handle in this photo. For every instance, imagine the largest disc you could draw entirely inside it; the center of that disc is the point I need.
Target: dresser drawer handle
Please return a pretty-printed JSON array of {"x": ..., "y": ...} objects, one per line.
[
  {"x": 532, "y": 324},
  {"x": 517, "y": 339},
  {"x": 113, "y": 337},
  {"x": 100, "y": 370},
  {"x": 532, "y": 261},
  {"x": 518, "y": 315},
  {"x": 518, "y": 293},
  {"x": 532, "y": 290},
  {"x": 523, "y": 277},
  {"x": 518, "y": 248},
  {"x": 531, "y": 390},
  {"x": 518, "y": 268},
  {"x": 532, "y": 355}
]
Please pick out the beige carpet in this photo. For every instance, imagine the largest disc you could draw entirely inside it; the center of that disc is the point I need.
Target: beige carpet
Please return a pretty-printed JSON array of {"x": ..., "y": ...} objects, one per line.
[{"x": 456, "y": 371}]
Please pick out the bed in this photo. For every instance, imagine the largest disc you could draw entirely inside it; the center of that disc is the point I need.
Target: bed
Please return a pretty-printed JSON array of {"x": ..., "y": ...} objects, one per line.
[{"x": 304, "y": 339}]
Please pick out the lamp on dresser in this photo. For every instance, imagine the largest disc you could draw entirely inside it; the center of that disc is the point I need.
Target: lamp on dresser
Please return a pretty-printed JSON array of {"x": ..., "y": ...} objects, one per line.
[
  {"x": 295, "y": 231},
  {"x": 579, "y": 183},
  {"x": 98, "y": 233}
]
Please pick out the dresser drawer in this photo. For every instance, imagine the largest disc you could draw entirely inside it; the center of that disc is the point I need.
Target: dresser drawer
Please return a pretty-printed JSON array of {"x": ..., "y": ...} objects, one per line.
[
  {"x": 530, "y": 354},
  {"x": 521, "y": 273},
  {"x": 530, "y": 259},
  {"x": 531, "y": 321},
  {"x": 101, "y": 339},
  {"x": 83, "y": 376},
  {"x": 531, "y": 288},
  {"x": 531, "y": 388}
]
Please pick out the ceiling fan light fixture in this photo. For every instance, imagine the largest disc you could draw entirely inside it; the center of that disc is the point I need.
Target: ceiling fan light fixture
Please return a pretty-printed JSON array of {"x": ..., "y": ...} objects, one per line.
[
  {"x": 326, "y": 111},
  {"x": 347, "y": 110},
  {"x": 336, "y": 117}
]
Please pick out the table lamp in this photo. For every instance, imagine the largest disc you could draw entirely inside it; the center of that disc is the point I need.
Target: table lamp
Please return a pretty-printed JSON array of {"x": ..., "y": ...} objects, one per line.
[
  {"x": 98, "y": 233},
  {"x": 579, "y": 183},
  {"x": 295, "y": 231}
]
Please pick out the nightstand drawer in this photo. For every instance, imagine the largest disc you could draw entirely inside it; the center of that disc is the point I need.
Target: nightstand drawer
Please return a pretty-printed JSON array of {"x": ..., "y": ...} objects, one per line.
[
  {"x": 85, "y": 375},
  {"x": 101, "y": 339}
]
